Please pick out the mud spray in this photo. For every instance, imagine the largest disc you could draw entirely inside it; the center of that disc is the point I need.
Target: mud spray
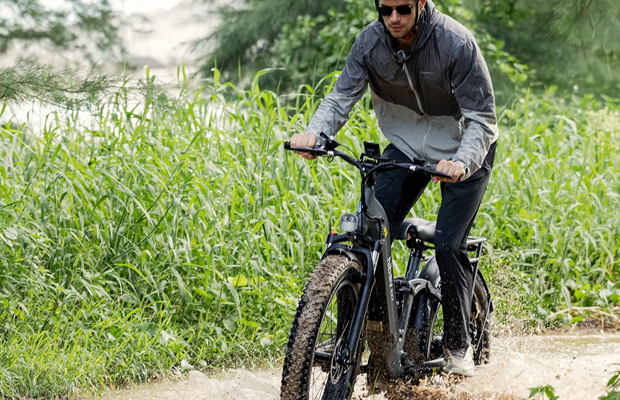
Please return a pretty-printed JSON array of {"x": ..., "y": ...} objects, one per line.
[{"x": 577, "y": 365}]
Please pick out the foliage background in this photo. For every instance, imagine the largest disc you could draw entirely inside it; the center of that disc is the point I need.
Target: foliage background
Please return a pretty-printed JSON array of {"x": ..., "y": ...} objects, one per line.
[
  {"x": 89, "y": 28},
  {"x": 147, "y": 229},
  {"x": 180, "y": 234},
  {"x": 559, "y": 43}
]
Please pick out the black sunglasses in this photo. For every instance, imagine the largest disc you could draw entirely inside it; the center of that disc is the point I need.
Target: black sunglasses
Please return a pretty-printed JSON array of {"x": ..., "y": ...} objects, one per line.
[{"x": 386, "y": 11}]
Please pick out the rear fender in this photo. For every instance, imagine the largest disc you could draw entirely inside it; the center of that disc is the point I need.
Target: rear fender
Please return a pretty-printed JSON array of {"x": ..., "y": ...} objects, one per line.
[
  {"x": 425, "y": 300},
  {"x": 486, "y": 289},
  {"x": 430, "y": 272}
]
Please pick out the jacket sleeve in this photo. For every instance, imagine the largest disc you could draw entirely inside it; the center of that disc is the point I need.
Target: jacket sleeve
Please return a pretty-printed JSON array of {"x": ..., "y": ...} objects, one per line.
[
  {"x": 333, "y": 112},
  {"x": 473, "y": 90}
]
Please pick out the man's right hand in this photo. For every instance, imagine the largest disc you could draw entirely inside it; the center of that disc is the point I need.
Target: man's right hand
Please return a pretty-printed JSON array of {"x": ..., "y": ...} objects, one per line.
[{"x": 304, "y": 140}]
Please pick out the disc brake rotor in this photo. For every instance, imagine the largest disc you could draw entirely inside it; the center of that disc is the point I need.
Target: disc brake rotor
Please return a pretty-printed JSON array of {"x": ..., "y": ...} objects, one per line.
[{"x": 337, "y": 368}]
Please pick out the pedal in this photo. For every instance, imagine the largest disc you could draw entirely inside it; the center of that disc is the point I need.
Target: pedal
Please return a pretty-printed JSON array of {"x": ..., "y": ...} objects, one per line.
[{"x": 425, "y": 367}]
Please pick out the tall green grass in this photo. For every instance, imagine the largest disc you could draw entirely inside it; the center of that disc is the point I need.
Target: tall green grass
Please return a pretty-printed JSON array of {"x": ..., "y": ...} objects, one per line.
[
  {"x": 554, "y": 204},
  {"x": 178, "y": 228}
]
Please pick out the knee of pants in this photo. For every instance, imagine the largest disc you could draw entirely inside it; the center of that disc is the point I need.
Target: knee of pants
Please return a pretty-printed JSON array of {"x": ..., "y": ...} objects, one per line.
[{"x": 446, "y": 249}]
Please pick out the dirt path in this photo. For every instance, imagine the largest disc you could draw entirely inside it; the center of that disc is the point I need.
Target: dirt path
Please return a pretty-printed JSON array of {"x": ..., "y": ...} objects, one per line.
[{"x": 577, "y": 365}]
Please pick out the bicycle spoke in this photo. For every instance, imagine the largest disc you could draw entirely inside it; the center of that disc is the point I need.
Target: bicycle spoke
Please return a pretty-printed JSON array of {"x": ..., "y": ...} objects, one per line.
[{"x": 336, "y": 323}]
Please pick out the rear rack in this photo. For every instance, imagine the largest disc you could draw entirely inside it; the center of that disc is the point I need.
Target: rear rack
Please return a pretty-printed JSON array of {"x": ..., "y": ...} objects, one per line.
[{"x": 474, "y": 244}]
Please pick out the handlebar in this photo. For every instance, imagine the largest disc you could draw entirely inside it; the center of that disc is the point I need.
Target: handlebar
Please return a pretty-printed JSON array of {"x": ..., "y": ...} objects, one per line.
[{"x": 381, "y": 165}]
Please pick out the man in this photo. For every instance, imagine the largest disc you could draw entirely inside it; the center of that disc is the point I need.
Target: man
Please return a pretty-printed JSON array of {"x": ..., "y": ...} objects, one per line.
[{"x": 434, "y": 100}]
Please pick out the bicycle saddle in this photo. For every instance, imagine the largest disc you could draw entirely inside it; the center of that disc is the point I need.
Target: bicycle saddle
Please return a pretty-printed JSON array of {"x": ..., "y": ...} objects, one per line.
[{"x": 418, "y": 227}]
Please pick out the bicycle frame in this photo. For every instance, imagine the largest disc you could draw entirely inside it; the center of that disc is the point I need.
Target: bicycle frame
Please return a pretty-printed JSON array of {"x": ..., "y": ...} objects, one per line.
[
  {"x": 378, "y": 267},
  {"x": 370, "y": 245},
  {"x": 378, "y": 271}
]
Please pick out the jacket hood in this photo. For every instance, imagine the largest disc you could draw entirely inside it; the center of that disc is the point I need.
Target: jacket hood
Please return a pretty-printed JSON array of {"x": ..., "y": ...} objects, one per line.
[{"x": 433, "y": 101}]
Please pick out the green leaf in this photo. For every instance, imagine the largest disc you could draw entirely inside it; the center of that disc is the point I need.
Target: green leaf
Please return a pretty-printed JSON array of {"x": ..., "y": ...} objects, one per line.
[
  {"x": 203, "y": 293},
  {"x": 613, "y": 379},
  {"x": 577, "y": 318},
  {"x": 235, "y": 296},
  {"x": 258, "y": 280},
  {"x": 245, "y": 322},
  {"x": 129, "y": 298},
  {"x": 239, "y": 281},
  {"x": 545, "y": 390}
]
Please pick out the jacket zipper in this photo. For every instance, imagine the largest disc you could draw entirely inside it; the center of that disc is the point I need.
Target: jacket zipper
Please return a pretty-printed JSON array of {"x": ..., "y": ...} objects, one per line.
[{"x": 417, "y": 98}]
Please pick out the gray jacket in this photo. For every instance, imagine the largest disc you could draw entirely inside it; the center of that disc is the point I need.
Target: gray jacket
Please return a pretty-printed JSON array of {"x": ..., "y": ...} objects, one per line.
[{"x": 433, "y": 102}]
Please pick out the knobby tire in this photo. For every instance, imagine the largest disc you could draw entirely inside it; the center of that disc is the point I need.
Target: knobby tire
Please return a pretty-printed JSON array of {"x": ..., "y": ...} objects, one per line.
[{"x": 328, "y": 301}]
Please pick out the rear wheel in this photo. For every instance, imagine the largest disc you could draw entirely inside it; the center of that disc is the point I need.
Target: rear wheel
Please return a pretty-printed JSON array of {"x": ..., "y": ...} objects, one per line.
[
  {"x": 480, "y": 324},
  {"x": 319, "y": 332},
  {"x": 427, "y": 343}
]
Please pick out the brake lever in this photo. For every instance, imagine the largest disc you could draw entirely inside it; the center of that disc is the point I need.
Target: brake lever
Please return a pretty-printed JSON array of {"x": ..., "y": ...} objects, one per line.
[{"x": 328, "y": 142}]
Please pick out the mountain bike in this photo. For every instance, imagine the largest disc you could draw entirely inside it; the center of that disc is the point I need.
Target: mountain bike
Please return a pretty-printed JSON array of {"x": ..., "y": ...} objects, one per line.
[{"x": 352, "y": 298}]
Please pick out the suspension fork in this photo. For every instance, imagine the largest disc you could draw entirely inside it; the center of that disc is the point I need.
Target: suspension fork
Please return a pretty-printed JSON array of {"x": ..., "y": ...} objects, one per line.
[
  {"x": 394, "y": 359},
  {"x": 386, "y": 295},
  {"x": 362, "y": 307}
]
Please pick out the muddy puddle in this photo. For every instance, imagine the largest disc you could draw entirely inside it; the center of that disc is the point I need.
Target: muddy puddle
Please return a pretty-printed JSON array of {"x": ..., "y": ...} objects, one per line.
[{"x": 577, "y": 365}]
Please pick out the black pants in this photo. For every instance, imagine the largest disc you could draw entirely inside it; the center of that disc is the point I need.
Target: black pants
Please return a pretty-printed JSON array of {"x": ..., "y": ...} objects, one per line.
[{"x": 398, "y": 190}]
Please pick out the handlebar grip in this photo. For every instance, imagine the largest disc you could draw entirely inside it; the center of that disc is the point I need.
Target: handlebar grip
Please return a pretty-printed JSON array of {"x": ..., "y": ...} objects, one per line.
[
  {"x": 316, "y": 150},
  {"x": 442, "y": 175},
  {"x": 430, "y": 170}
]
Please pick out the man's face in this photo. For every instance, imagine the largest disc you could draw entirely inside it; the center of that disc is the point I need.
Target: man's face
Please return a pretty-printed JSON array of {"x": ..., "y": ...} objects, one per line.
[{"x": 400, "y": 25}]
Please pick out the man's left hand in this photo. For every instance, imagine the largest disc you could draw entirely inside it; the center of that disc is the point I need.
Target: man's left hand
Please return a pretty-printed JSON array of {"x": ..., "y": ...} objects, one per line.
[{"x": 452, "y": 168}]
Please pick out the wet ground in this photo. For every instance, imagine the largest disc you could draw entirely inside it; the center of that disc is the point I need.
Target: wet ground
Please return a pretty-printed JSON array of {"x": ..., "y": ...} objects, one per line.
[{"x": 577, "y": 365}]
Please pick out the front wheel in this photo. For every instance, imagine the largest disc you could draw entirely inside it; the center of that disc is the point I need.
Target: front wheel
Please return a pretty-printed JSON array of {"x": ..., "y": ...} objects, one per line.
[{"x": 319, "y": 331}]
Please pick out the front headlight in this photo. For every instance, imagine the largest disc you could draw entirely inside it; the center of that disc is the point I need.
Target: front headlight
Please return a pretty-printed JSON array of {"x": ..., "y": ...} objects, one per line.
[{"x": 348, "y": 223}]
